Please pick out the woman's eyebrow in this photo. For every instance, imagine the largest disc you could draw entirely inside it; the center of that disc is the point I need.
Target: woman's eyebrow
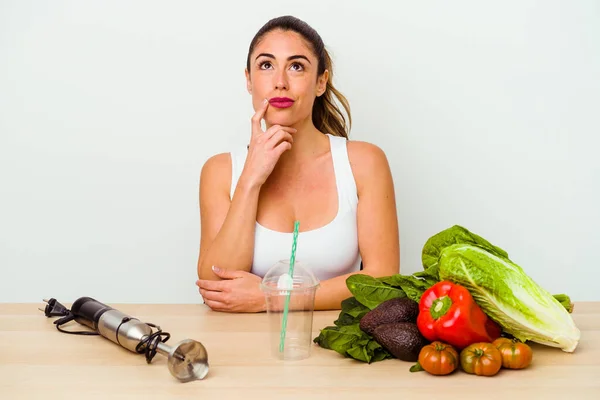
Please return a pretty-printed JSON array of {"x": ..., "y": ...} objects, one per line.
[{"x": 290, "y": 58}]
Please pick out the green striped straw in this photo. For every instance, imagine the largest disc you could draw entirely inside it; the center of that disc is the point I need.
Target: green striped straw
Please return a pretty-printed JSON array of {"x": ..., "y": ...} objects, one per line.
[{"x": 287, "y": 299}]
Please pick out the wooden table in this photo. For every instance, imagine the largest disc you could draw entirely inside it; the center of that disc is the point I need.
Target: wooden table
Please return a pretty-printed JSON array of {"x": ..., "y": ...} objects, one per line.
[{"x": 38, "y": 362}]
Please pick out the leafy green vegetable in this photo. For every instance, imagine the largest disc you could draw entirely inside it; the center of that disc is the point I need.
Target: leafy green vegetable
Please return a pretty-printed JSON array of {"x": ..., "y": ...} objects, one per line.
[
  {"x": 565, "y": 301},
  {"x": 411, "y": 285},
  {"x": 431, "y": 275},
  {"x": 370, "y": 291},
  {"x": 417, "y": 367},
  {"x": 509, "y": 296},
  {"x": 350, "y": 341},
  {"x": 352, "y": 312},
  {"x": 368, "y": 350},
  {"x": 454, "y": 235},
  {"x": 338, "y": 338}
]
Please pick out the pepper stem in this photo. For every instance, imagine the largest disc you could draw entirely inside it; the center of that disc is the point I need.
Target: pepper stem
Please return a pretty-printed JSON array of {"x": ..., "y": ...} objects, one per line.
[{"x": 440, "y": 307}]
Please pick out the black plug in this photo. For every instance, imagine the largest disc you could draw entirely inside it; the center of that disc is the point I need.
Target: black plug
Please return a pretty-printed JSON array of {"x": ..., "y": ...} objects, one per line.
[{"x": 54, "y": 309}]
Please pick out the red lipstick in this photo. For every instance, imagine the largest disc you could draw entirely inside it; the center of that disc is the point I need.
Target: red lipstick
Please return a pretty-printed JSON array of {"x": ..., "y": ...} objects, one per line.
[{"x": 281, "y": 102}]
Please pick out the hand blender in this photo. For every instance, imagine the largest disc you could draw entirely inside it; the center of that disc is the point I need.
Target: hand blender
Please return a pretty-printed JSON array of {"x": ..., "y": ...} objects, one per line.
[{"x": 187, "y": 361}]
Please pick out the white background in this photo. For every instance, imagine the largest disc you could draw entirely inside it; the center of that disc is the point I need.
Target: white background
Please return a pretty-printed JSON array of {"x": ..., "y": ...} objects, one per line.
[{"x": 488, "y": 112}]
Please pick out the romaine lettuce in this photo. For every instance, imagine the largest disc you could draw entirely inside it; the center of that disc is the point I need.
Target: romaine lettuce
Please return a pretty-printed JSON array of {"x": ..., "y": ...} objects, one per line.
[{"x": 509, "y": 296}]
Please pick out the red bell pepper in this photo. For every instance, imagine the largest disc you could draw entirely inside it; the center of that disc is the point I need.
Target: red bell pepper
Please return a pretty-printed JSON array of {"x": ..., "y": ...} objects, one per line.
[{"x": 448, "y": 313}]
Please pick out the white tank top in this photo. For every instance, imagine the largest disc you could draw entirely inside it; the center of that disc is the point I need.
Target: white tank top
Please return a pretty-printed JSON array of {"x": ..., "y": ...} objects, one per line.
[{"x": 329, "y": 251}]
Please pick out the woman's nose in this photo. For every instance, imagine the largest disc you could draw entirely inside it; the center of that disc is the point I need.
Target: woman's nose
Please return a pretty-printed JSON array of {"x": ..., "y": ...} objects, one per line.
[{"x": 281, "y": 81}]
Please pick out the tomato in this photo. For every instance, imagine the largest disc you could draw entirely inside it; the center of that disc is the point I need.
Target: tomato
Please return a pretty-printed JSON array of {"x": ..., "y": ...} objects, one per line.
[
  {"x": 438, "y": 358},
  {"x": 482, "y": 359},
  {"x": 515, "y": 354}
]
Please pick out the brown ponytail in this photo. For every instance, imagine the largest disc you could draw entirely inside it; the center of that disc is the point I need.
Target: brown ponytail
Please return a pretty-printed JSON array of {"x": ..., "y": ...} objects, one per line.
[{"x": 326, "y": 114}]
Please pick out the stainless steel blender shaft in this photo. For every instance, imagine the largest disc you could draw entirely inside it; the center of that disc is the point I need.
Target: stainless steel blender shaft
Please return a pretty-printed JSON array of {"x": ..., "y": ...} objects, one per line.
[{"x": 187, "y": 361}]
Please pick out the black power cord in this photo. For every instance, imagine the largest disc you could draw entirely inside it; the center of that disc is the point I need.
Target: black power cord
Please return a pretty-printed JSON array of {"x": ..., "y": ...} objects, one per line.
[
  {"x": 149, "y": 344},
  {"x": 55, "y": 309}
]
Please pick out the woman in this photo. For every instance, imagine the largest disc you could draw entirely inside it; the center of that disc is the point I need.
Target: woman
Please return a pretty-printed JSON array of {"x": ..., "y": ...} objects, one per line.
[{"x": 301, "y": 167}]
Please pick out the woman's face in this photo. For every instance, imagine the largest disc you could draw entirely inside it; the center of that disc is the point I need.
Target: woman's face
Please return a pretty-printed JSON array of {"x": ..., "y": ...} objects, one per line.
[{"x": 283, "y": 69}]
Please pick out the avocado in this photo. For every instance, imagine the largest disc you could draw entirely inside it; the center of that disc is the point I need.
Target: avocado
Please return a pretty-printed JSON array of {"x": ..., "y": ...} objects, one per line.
[
  {"x": 399, "y": 309},
  {"x": 402, "y": 339}
]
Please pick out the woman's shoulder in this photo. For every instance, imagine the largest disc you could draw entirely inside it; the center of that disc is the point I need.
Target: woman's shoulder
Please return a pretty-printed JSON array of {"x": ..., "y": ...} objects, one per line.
[
  {"x": 217, "y": 162},
  {"x": 216, "y": 171},
  {"x": 369, "y": 164},
  {"x": 366, "y": 156}
]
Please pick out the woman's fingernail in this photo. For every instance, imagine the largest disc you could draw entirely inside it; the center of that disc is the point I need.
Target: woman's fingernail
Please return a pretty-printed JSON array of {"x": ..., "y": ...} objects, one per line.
[
  {"x": 265, "y": 101},
  {"x": 216, "y": 269}
]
